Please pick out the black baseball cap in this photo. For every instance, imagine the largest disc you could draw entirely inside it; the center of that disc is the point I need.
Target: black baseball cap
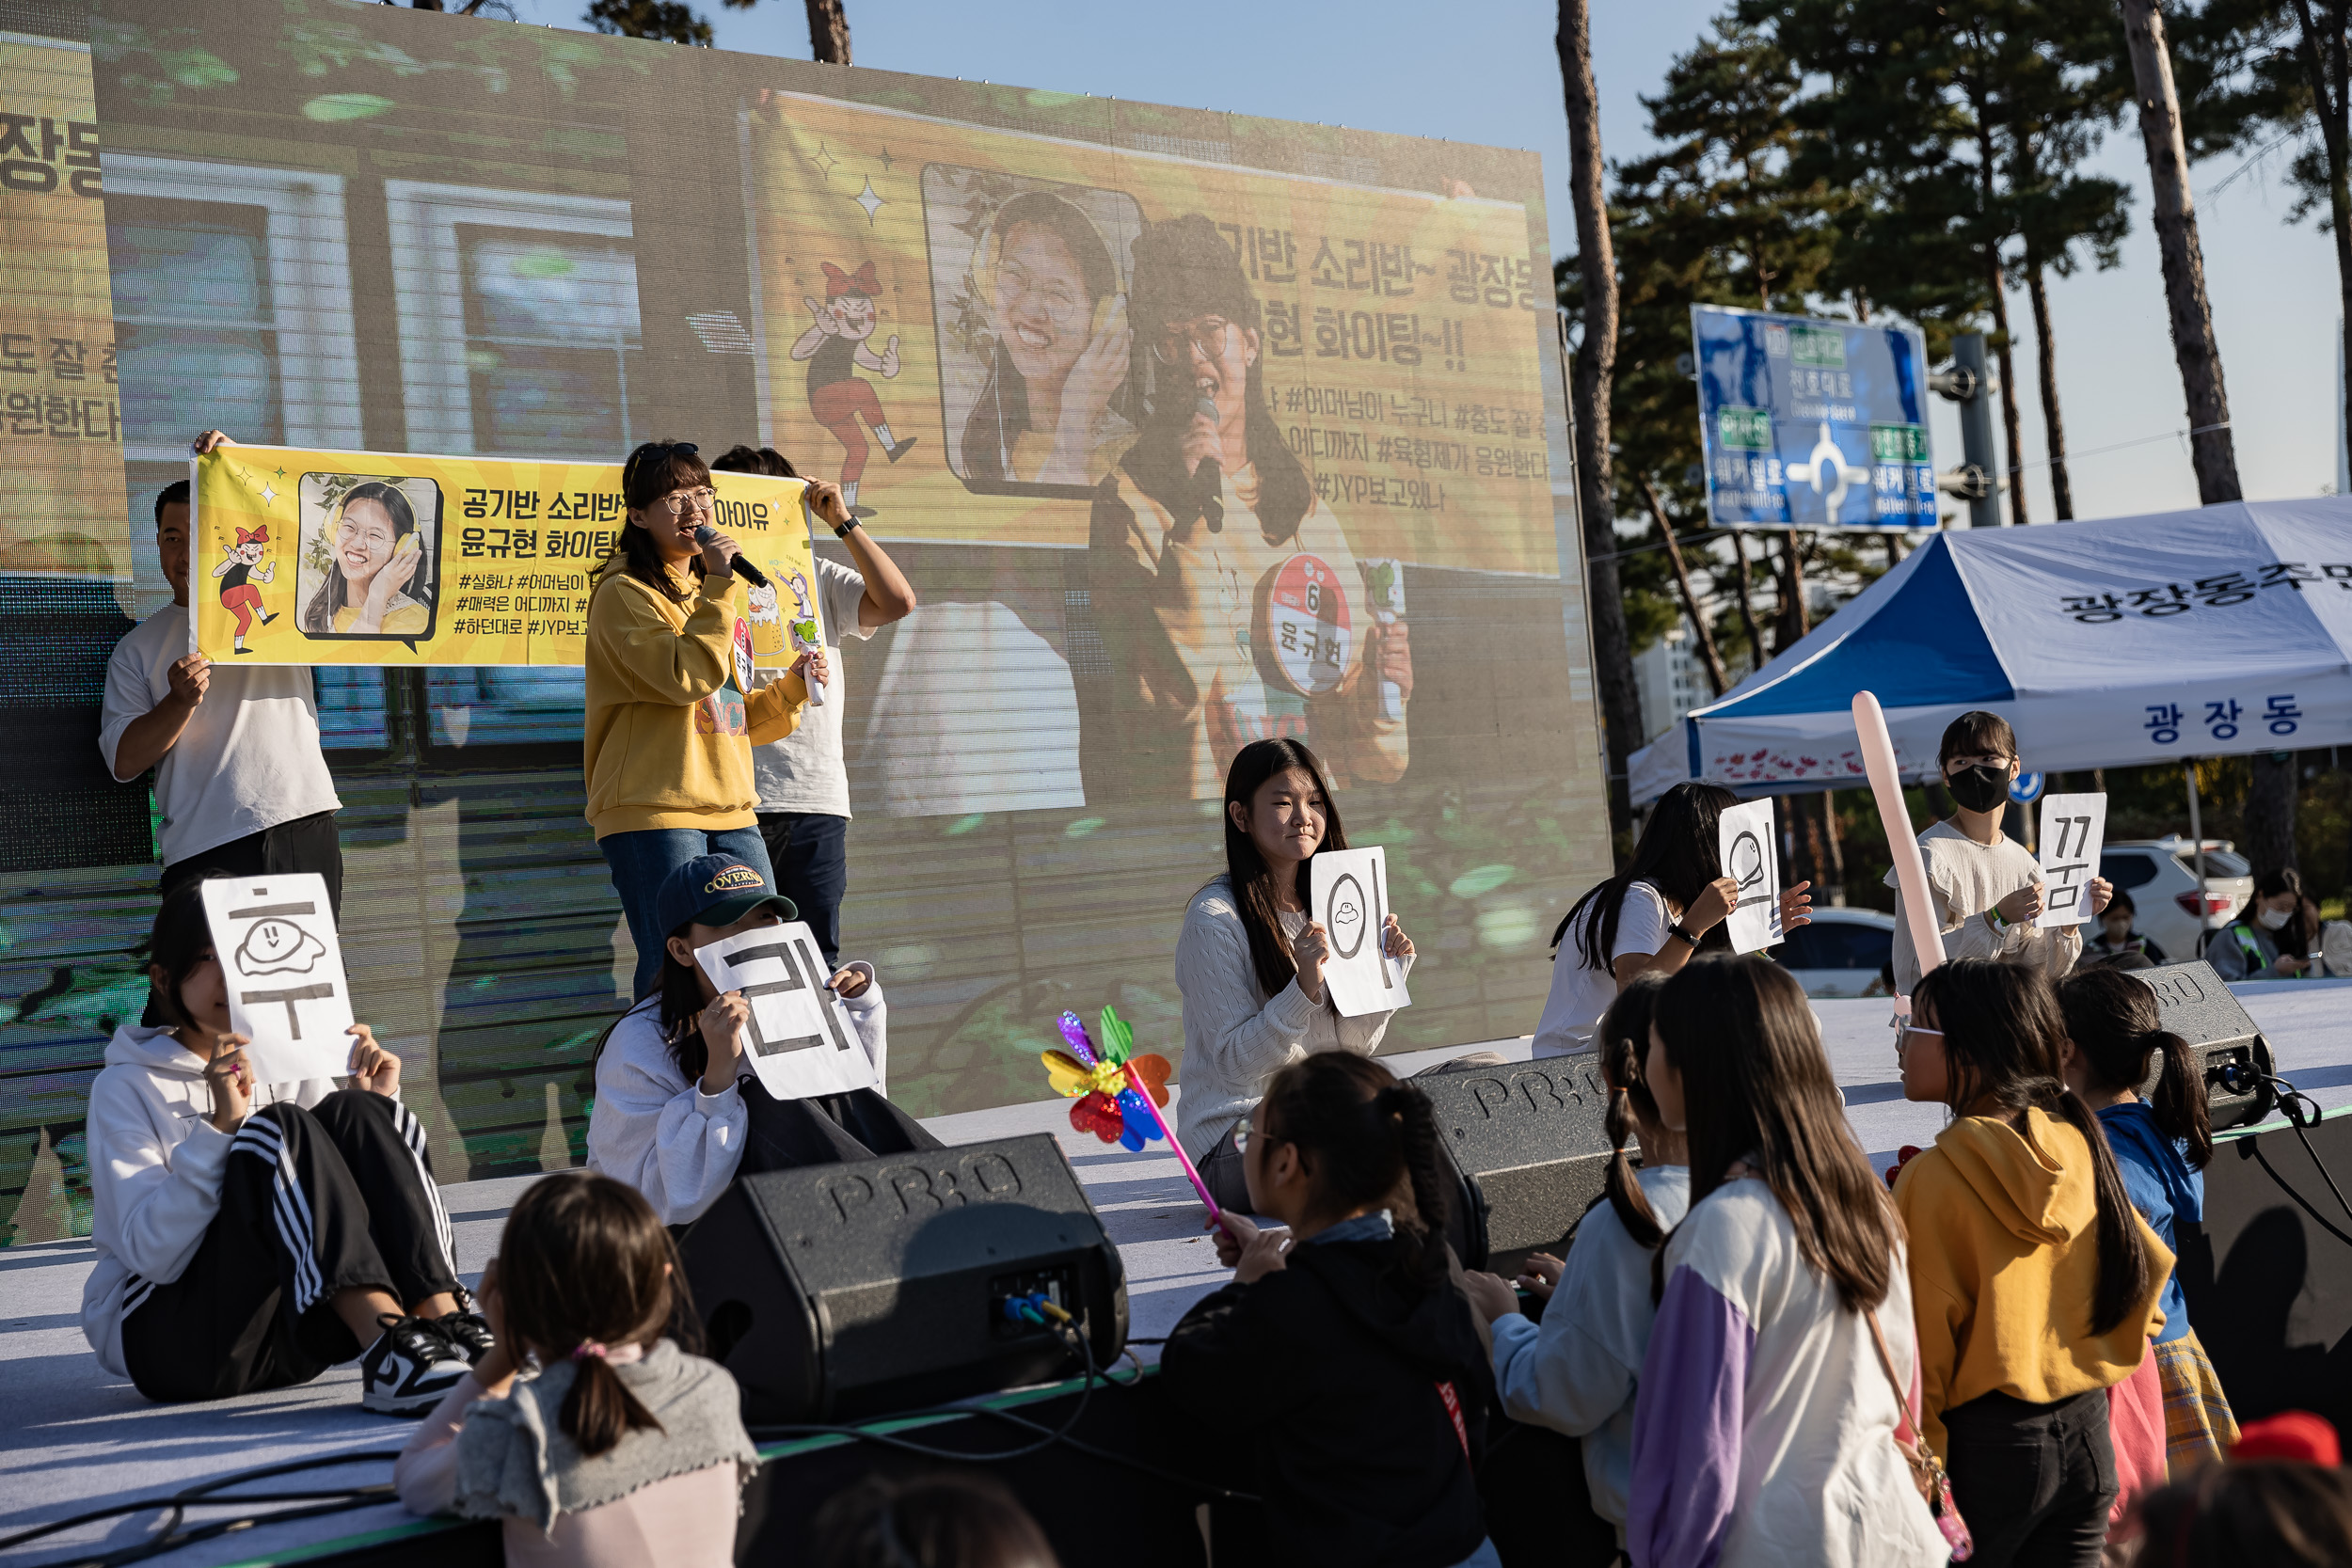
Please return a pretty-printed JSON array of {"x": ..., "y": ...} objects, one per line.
[{"x": 715, "y": 890}]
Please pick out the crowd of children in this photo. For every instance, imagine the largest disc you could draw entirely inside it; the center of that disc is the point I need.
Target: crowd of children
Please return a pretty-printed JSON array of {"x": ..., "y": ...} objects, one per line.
[{"x": 1767, "y": 1355}]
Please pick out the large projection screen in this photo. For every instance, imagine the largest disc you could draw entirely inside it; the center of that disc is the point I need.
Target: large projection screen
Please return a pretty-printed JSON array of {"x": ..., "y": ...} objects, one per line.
[{"x": 366, "y": 227}]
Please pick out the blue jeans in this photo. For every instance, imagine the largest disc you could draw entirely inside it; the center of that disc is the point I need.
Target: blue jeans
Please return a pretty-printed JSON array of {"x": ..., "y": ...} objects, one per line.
[
  {"x": 640, "y": 859},
  {"x": 810, "y": 851}
]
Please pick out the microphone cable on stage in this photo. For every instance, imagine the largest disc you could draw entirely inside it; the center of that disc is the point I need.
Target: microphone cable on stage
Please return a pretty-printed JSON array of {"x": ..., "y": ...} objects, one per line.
[
  {"x": 2301, "y": 1110},
  {"x": 1047, "y": 1436},
  {"x": 171, "y": 1537}
]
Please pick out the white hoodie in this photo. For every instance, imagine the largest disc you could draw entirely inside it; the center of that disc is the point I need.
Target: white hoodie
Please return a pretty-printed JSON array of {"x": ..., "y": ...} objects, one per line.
[
  {"x": 654, "y": 1128},
  {"x": 155, "y": 1165}
]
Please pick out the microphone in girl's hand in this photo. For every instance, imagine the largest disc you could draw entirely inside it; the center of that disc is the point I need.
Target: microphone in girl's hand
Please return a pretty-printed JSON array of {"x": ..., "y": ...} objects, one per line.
[
  {"x": 741, "y": 565},
  {"x": 1211, "y": 475}
]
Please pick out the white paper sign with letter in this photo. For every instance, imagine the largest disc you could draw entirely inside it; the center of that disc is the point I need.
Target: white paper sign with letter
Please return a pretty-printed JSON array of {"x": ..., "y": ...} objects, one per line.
[
  {"x": 1743, "y": 838},
  {"x": 2074, "y": 830},
  {"x": 1347, "y": 890},
  {"x": 801, "y": 1040},
  {"x": 274, "y": 937}
]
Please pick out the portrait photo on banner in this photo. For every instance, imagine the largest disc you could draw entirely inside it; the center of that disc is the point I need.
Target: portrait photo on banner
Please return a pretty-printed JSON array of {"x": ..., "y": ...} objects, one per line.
[
  {"x": 369, "y": 557},
  {"x": 1029, "y": 292}
]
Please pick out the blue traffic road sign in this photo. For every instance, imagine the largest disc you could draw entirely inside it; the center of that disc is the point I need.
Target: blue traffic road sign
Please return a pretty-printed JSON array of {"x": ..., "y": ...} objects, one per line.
[
  {"x": 1812, "y": 424},
  {"x": 2026, "y": 788}
]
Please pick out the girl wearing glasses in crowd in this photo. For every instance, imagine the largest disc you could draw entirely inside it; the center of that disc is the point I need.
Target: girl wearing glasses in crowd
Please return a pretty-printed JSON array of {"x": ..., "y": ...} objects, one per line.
[
  {"x": 1187, "y": 540},
  {"x": 1063, "y": 349},
  {"x": 672, "y": 712},
  {"x": 1986, "y": 887},
  {"x": 377, "y": 555}
]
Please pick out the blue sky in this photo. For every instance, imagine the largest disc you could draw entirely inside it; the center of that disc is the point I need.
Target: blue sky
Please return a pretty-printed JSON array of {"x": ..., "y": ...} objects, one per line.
[{"x": 1382, "y": 66}]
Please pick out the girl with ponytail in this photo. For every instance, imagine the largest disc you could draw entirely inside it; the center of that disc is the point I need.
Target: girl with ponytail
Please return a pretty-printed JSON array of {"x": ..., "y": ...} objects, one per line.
[
  {"x": 1577, "y": 1371},
  {"x": 623, "y": 1444},
  {"x": 2113, "y": 1037},
  {"x": 1344, "y": 1348},
  {"x": 1767, "y": 1427},
  {"x": 2037, "y": 1283}
]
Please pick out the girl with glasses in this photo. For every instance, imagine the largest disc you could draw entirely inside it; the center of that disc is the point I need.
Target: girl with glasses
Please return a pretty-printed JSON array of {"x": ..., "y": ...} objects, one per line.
[
  {"x": 377, "y": 555},
  {"x": 672, "y": 714}
]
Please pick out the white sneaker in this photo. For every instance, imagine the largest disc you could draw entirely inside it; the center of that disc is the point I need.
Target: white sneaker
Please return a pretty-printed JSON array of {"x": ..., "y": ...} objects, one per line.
[{"x": 409, "y": 1368}]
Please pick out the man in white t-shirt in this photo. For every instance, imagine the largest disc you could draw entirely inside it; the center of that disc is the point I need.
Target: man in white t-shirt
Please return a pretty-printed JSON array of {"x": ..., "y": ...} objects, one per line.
[
  {"x": 240, "y": 782},
  {"x": 804, "y": 785}
]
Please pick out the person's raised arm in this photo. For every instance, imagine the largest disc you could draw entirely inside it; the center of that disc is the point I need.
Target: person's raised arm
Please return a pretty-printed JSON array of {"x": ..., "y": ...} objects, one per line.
[
  {"x": 1707, "y": 910},
  {"x": 889, "y": 596},
  {"x": 656, "y": 662},
  {"x": 1215, "y": 974},
  {"x": 134, "y": 736}
]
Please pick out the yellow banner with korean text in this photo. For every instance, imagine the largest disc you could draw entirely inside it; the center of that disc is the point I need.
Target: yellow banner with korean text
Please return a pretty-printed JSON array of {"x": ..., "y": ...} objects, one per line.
[
  {"x": 983, "y": 333},
  {"x": 302, "y": 557}
]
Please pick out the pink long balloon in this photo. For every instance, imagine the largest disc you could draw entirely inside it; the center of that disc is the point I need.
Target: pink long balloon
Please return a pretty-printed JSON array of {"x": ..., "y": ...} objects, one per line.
[{"x": 1886, "y": 786}]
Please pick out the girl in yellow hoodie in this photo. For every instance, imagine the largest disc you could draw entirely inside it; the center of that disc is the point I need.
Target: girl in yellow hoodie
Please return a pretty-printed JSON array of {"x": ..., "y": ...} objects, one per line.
[
  {"x": 672, "y": 712},
  {"x": 2033, "y": 1280}
]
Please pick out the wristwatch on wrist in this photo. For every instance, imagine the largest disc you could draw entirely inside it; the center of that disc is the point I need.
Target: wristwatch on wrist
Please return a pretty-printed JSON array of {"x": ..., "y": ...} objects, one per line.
[
  {"x": 2000, "y": 922},
  {"x": 843, "y": 531},
  {"x": 1676, "y": 930}
]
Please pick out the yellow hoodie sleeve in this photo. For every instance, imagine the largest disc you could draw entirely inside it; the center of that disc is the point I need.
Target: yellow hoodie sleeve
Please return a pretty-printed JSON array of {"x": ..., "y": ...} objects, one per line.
[
  {"x": 775, "y": 710},
  {"x": 655, "y": 661}
]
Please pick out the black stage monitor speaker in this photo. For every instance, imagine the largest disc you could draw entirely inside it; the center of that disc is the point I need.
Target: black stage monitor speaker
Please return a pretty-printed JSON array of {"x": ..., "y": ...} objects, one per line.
[
  {"x": 1529, "y": 1148},
  {"x": 844, "y": 1291},
  {"x": 2197, "y": 1006}
]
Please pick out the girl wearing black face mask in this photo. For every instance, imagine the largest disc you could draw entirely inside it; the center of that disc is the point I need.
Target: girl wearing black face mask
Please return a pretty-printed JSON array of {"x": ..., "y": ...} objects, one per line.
[{"x": 1985, "y": 885}]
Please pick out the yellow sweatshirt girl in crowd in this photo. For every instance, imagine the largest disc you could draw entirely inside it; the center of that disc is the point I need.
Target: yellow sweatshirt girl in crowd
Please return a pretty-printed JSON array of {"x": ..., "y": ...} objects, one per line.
[{"x": 2034, "y": 1282}]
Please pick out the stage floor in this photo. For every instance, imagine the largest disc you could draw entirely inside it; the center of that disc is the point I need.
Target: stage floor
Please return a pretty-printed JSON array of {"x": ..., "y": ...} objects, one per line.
[{"x": 79, "y": 1439}]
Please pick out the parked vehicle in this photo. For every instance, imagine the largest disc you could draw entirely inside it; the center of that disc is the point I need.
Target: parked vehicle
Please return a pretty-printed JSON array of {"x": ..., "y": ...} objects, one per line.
[
  {"x": 1843, "y": 953},
  {"x": 2160, "y": 874}
]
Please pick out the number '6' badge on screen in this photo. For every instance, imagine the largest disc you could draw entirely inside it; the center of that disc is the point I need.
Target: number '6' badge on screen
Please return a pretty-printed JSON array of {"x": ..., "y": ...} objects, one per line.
[{"x": 1304, "y": 637}]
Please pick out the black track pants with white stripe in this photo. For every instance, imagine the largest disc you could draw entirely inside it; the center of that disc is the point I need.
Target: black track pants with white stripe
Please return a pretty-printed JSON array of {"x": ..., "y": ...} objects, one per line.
[{"x": 313, "y": 1202}]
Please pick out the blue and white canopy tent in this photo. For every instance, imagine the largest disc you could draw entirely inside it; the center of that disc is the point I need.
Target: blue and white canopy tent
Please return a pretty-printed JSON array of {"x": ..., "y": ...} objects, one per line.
[{"x": 2225, "y": 629}]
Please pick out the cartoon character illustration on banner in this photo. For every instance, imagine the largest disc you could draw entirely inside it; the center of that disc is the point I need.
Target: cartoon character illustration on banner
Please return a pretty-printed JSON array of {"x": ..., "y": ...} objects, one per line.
[
  {"x": 837, "y": 344},
  {"x": 238, "y": 595},
  {"x": 803, "y": 626},
  {"x": 1223, "y": 581},
  {"x": 766, "y": 619}
]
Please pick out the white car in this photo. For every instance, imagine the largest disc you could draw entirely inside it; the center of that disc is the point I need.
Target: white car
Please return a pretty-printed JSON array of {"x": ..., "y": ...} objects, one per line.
[
  {"x": 2160, "y": 875},
  {"x": 1843, "y": 953}
]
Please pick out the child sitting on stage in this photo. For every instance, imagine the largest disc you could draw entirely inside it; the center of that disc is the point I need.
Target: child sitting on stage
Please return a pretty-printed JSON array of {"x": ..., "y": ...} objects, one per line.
[
  {"x": 1576, "y": 1373},
  {"x": 622, "y": 1448},
  {"x": 679, "y": 1113},
  {"x": 2161, "y": 1147},
  {"x": 1986, "y": 887},
  {"x": 1343, "y": 1347},
  {"x": 252, "y": 1235}
]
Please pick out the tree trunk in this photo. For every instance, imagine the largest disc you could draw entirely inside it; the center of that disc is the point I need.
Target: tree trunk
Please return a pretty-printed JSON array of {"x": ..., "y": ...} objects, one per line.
[
  {"x": 1596, "y": 370},
  {"x": 1792, "y": 621},
  {"x": 2322, "y": 53},
  {"x": 2053, "y": 427},
  {"x": 827, "y": 32},
  {"x": 2270, "y": 813},
  {"x": 2174, "y": 216},
  {"x": 1835, "y": 892},
  {"x": 1716, "y": 678},
  {"x": 1747, "y": 603}
]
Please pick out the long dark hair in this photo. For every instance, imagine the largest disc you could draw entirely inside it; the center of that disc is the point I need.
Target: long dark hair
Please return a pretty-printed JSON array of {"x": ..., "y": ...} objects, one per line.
[
  {"x": 1622, "y": 1040},
  {"x": 319, "y": 615},
  {"x": 584, "y": 1261},
  {"x": 2002, "y": 1038},
  {"x": 1757, "y": 1086},
  {"x": 652, "y": 471},
  {"x": 2277, "y": 1513},
  {"x": 2290, "y": 938},
  {"x": 1185, "y": 269},
  {"x": 1002, "y": 409},
  {"x": 180, "y": 939},
  {"x": 679, "y": 1003},
  {"x": 1364, "y": 1138},
  {"x": 1253, "y": 879},
  {"x": 2114, "y": 1022},
  {"x": 1676, "y": 855}
]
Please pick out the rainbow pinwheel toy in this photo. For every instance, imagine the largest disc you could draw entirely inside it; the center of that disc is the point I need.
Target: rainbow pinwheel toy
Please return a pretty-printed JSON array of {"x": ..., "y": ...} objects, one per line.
[{"x": 1116, "y": 1094}]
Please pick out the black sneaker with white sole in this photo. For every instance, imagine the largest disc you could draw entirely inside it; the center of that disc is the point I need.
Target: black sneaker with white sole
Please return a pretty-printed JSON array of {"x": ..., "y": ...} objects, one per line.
[
  {"x": 469, "y": 1334},
  {"x": 408, "y": 1369}
]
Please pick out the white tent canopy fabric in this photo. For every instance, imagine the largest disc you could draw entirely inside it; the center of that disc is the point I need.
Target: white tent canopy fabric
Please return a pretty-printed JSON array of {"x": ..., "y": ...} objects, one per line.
[{"x": 2226, "y": 629}]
